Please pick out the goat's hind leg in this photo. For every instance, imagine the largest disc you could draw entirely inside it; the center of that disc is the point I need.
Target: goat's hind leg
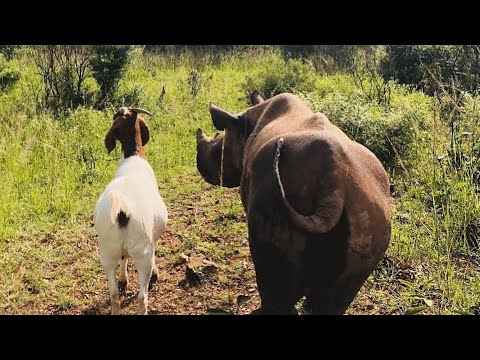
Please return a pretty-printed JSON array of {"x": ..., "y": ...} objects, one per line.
[
  {"x": 110, "y": 268},
  {"x": 123, "y": 279},
  {"x": 145, "y": 265}
]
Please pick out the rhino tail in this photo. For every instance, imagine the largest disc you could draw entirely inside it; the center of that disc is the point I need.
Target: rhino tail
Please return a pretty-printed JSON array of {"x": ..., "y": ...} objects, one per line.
[{"x": 328, "y": 211}]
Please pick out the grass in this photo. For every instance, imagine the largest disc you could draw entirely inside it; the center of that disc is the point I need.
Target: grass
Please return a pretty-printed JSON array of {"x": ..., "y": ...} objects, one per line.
[{"x": 54, "y": 169}]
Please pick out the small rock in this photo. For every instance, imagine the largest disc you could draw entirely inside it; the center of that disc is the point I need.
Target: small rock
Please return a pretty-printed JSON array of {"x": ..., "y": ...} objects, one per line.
[{"x": 428, "y": 302}]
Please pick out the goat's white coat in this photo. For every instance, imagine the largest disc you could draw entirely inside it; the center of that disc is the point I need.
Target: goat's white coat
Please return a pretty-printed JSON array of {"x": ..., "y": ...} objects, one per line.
[{"x": 134, "y": 190}]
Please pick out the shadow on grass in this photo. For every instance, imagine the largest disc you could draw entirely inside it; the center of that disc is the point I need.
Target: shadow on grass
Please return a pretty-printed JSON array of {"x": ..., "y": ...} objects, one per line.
[{"x": 103, "y": 307}]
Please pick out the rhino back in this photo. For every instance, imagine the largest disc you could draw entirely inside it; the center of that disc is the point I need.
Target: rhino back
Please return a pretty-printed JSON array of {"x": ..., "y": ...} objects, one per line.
[{"x": 317, "y": 159}]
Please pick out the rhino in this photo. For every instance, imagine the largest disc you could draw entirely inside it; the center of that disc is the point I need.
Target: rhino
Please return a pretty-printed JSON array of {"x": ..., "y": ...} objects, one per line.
[{"x": 317, "y": 202}]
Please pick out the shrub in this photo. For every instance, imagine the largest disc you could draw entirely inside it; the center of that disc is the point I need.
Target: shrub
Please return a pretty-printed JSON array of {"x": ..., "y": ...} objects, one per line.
[
  {"x": 366, "y": 76},
  {"x": 129, "y": 96},
  {"x": 328, "y": 58},
  {"x": 9, "y": 74},
  {"x": 63, "y": 68},
  {"x": 390, "y": 136},
  {"x": 8, "y": 51},
  {"x": 69, "y": 71},
  {"x": 195, "y": 48},
  {"x": 108, "y": 64},
  {"x": 282, "y": 76},
  {"x": 459, "y": 64}
]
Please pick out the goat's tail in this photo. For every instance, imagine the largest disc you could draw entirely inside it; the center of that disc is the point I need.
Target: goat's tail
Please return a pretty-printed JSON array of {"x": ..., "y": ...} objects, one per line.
[{"x": 118, "y": 210}]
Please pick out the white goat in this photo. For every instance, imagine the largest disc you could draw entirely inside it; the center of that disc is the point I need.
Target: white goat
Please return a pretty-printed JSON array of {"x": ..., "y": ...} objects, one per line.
[{"x": 130, "y": 215}]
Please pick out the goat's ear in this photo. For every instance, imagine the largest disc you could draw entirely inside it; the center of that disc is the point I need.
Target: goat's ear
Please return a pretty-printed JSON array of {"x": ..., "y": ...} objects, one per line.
[
  {"x": 145, "y": 133},
  {"x": 110, "y": 140},
  {"x": 223, "y": 119},
  {"x": 256, "y": 98}
]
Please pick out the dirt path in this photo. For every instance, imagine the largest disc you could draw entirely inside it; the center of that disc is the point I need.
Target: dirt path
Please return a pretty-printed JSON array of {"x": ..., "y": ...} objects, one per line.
[{"x": 203, "y": 260}]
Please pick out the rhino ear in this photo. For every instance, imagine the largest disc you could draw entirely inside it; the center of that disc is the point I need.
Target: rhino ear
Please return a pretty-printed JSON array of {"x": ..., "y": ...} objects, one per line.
[
  {"x": 222, "y": 119},
  {"x": 200, "y": 135},
  {"x": 256, "y": 98}
]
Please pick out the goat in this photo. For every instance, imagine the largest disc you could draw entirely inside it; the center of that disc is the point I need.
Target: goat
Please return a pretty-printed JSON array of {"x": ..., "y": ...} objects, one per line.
[{"x": 130, "y": 215}]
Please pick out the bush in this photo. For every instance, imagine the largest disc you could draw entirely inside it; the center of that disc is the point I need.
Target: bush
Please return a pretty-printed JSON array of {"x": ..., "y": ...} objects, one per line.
[
  {"x": 195, "y": 48},
  {"x": 8, "y": 51},
  {"x": 9, "y": 74},
  {"x": 64, "y": 69},
  {"x": 108, "y": 64},
  {"x": 366, "y": 76},
  {"x": 75, "y": 75},
  {"x": 282, "y": 76},
  {"x": 298, "y": 51},
  {"x": 459, "y": 64},
  {"x": 390, "y": 136},
  {"x": 129, "y": 96},
  {"x": 329, "y": 58}
]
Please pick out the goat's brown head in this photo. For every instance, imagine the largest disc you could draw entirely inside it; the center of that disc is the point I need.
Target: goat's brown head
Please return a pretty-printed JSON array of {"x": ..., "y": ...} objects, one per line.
[
  {"x": 130, "y": 129},
  {"x": 236, "y": 128}
]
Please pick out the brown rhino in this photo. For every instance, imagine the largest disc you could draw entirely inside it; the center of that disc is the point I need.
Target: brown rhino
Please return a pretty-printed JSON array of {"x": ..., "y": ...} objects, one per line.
[{"x": 317, "y": 202}]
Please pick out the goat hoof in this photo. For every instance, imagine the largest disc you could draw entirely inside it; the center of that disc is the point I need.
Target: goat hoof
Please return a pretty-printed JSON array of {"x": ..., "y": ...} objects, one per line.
[{"x": 122, "y": 287}]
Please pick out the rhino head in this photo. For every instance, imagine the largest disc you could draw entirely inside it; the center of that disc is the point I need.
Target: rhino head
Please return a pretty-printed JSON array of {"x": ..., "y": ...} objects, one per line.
[{"x": 219, "y": 159}]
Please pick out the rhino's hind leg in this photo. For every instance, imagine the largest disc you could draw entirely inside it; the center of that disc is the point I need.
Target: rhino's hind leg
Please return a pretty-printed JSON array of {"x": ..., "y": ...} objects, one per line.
[
  {"x": 325, "y": 260},
  {"x": 278, "y": 280},
  {"x": 336, "y": 298}
]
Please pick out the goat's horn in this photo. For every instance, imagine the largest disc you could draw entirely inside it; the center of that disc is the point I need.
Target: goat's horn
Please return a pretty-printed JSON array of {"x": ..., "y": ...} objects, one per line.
[{"x": 141, "y": 111}]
